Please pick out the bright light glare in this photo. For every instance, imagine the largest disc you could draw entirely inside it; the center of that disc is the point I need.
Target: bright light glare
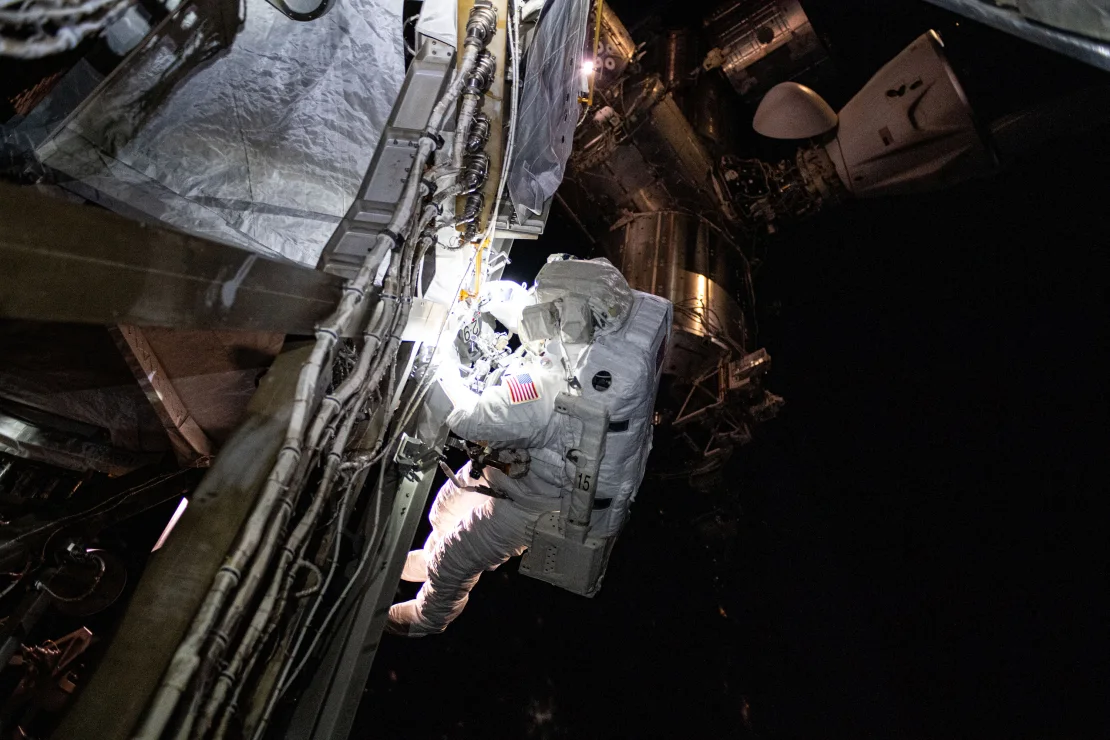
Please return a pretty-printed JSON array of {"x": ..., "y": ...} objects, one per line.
[
  {"x": 588, "y": 67},
  {"x": 173, "y": 521}
]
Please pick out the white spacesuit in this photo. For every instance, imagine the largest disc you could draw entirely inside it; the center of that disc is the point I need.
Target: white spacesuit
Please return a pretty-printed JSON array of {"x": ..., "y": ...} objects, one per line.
[{"x": 606, "y": 346}]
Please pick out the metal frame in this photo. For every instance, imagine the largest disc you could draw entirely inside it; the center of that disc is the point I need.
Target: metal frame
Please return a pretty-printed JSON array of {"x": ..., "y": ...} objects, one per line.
[
  {"x": 725, "y": 428},
  {"x": 177, "y": 578},
  {"x": 327, "y": 706},
  {"x": 31, "y": 440}
]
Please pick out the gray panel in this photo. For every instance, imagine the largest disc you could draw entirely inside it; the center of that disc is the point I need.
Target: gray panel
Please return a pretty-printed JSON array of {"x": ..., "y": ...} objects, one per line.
[{"x": 372, "y": 209}]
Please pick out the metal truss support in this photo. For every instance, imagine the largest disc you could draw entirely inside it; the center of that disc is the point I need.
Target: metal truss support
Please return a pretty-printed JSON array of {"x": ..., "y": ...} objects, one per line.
[
  {"x": 190, "y": 444},
  {"x": 179, "y": 575},
  {"x": 76, "y": 263}
]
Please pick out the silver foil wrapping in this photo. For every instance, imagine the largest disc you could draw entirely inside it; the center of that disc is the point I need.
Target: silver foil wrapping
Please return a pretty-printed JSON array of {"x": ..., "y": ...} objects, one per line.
[
  {"x": 237, "y": 123},
  {"x": 549, "y": 107}
]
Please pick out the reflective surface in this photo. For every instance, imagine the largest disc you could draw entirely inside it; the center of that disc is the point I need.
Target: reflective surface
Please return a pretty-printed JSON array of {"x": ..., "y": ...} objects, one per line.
[
  {"x": 236, "y": 123},
  {"x": 679, "y": 257}
]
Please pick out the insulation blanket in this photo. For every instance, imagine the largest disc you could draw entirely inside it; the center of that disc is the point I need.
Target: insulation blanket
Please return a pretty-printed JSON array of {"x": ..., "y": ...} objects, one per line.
[
  {"x": 549, "y": 106},
  {"x": 236, "y": 123}
]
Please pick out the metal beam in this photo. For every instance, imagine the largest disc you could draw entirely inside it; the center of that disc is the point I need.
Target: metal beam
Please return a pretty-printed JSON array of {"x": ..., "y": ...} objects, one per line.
[
  {"x": 76, "y": 263},
  {"x": 326, "y": 710},
  {"x": 178, "y": 576},
  {"x": 190, "y": 444},
  {"x": 1091, "y": 51}
]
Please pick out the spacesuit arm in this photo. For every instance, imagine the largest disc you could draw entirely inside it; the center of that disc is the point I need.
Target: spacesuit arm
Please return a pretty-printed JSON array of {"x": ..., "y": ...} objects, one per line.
[{"x": 493, "y": 417}]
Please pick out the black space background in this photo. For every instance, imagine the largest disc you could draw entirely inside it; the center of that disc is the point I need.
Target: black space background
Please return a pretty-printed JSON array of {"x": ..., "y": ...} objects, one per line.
[{"x": 916, "y": 548}]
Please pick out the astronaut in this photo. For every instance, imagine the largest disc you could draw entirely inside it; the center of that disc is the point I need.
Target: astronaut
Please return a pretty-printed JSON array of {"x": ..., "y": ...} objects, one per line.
[{"x": 585, "y": 334}]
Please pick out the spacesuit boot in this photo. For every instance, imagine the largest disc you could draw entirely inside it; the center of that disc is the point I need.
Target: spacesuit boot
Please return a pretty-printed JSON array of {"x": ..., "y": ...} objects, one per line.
[
  {"x": 404, "y": 620},
  {"x": 416, "y": 567}
]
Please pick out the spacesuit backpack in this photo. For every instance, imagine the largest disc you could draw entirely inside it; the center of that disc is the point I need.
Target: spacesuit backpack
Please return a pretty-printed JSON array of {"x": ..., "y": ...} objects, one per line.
[{"x": 617, "y": 340}]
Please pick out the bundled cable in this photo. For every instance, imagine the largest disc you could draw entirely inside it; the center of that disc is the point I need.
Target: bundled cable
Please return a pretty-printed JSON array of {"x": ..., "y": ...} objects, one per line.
[{"x": 30, "y": 29}]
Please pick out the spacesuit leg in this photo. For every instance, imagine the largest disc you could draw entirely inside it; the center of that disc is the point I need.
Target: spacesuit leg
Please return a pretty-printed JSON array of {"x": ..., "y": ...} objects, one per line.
[
  {"x": 491, "y": 534},
  {"x": 449, "y": 507}
]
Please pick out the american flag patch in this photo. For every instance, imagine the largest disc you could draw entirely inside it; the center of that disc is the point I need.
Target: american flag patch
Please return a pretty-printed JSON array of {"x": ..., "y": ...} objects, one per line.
[{"x": 521, "y": 389}]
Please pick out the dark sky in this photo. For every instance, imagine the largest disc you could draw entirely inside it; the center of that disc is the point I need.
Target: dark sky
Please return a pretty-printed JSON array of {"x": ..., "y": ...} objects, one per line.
[{"x": 916, "y": 548}]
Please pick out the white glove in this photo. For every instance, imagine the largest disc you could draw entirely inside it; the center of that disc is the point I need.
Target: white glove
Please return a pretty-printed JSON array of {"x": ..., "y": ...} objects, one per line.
[{"x": 505, "y": 301}]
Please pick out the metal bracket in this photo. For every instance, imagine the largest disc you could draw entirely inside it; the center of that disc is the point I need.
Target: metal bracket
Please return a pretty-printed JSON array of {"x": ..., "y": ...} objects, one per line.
[
  {"x": 486, "y": 490},
  {"x": 412, "y": 456}
]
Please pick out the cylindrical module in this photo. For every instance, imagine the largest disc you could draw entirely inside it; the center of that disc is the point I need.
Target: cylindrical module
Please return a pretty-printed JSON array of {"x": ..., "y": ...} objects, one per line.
[
  {"x": 763, "y": 42},
  {"x": 682, "y": 258},
  {"x": 676, "y": 62}
]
